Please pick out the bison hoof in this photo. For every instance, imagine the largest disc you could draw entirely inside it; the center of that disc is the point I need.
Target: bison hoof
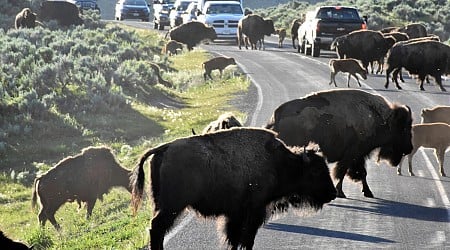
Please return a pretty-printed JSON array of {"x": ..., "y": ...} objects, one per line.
[
  {"x": 443, "y": 174},
  {"x": 411, "y": 174},
  {"x": 399, "y": 172},
  {"x": 368, "y": 194}
]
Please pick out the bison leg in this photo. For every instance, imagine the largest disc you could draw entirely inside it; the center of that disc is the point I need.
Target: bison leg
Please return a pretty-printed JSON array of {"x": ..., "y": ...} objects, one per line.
[
  {"x": 438, "y": 78},
  {"x": 233, "y": 229},
  {"x": 90, "y": 206},
  {"x": 161, "y": 224},
  {"x": 399, "y": 167},
  {"x": 47, "y": 212},
  {"x": 333, "y": 78},
  {"x": 339, "y": 173},
  {"x": 253, "y": 221},
  {"x": 395, "y": 76},
  {"x": 440, "y": 155},
  {"x": 357, "y": 79}
]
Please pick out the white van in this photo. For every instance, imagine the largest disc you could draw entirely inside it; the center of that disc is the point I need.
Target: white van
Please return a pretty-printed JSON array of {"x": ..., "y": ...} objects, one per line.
[
  {"x": 223, "y": 16},
  {"x": 201, "y": 3}
]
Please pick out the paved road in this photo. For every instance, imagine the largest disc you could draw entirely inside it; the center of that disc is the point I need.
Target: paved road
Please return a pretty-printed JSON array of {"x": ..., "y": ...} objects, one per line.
[{"x": 408, "y": 213}]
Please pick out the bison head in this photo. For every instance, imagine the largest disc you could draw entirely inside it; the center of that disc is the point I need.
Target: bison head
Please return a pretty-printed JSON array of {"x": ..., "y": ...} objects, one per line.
[
  {"x": 315, "y": 187},
  {"x": 269, "y": 27},
  {"x": 400, "y": 124},
  {"x": 210, "y": 34}
]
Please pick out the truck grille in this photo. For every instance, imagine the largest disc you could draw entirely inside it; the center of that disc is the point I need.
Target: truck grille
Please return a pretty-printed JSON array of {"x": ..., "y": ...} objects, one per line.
[{"x": 225, "y": 24}]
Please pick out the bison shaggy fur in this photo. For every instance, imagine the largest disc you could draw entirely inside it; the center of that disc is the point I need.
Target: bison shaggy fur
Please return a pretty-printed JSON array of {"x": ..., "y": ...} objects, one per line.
[
  {"x": 192, "y": 33},
  {"x": 84, "y": 177},
  {"x": 25, "y": 19},
  {"x": 65, "y": 13},
  {"x": 237, "y": 173},
  {"x": 9, "y": 244},
  {"x": 347, "y": 124}
]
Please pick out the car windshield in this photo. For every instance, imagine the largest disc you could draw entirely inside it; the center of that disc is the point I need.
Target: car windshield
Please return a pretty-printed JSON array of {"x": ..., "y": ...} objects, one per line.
[
  {"x": 224, "y": 9},
  {"x": 135, "y": 2},
  {"x": 338, "y": 13}
]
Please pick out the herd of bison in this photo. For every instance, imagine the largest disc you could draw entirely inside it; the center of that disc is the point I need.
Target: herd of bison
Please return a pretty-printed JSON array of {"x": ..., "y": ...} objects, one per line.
[{"x": 247, "y": 173}]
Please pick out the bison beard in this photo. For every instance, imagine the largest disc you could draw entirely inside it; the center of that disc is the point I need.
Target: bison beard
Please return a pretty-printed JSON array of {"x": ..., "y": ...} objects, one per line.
[
  {"x": 240, "y": 173},
  {"x": 348, "y": 125}
]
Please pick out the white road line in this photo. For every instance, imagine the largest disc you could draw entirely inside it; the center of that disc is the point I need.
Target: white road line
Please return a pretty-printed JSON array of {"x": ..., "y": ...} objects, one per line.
[{"x": 438, "y": 184}]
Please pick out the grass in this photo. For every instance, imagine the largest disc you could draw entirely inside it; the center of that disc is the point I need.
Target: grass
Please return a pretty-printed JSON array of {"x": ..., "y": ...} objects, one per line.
[{"x": 129, "y": 133}]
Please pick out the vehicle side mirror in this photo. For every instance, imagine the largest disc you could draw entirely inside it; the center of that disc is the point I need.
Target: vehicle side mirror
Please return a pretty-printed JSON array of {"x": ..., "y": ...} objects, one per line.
[{"x": 365, "y": 18}]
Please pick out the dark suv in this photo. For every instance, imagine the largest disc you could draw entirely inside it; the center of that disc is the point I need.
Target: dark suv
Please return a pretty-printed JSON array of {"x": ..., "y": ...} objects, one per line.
[{"x": 132, "y": 9}]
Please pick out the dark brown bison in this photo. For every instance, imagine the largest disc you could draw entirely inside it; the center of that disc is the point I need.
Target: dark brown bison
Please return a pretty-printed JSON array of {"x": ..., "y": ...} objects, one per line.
[
  {"x": 413, "y": 30},
  {"x": 254, "y": 27},
  {"x": 294, "y": 31},
  {"x": 84, "y": 177},
  {"x": 192, "y": 33},
  {"x": 25, "y": 19},
  {"x": 420, "y": 58},
  {"x": 364, "y": 45},
  {"x": 65, "y": 13},
  {"x": 348, "y": 124},
  {"x": 219, "y": 63},
  {"x": 239, "y": 173},
  {"x": 7, "y": 243}
]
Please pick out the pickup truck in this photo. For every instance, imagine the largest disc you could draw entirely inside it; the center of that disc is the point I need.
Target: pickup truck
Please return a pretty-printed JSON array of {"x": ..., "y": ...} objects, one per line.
[{"x": 324, "y": 24}]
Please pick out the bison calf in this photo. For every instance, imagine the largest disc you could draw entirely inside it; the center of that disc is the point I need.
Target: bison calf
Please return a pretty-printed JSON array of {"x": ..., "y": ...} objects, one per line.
[
  {"x": 219, "y": 63},
  {"x": 436, "y": 114},
  {"x": 172, "y": 47},
  {"x": 281, "y": 35},
  {"x": 83, "y": 177},
  {"x": 237, "y": 173},
  {"x": 350, "y": 66},
  {"x": 429, "y": 135}
]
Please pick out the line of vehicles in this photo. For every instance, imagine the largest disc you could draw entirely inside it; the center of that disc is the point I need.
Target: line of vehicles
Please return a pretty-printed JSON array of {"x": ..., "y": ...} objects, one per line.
[
  {"x": 223, "y": 15},
  {"x": 317, "y": 31}
]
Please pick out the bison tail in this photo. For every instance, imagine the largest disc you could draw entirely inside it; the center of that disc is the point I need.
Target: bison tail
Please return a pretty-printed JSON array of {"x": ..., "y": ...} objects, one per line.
[
  {"x": 138, "y": 177},
  {"x": 34, "y": 193}
]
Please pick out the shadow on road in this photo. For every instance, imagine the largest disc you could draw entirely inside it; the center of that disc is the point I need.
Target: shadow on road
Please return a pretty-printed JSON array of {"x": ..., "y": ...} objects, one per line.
[
  {"x": 325, "y": 233},
  {"x": 398, "y": 209}
]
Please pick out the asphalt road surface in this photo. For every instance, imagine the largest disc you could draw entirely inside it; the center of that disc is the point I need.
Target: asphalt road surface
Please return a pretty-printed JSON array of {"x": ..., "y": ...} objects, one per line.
[{"x": 407, "y": 213}]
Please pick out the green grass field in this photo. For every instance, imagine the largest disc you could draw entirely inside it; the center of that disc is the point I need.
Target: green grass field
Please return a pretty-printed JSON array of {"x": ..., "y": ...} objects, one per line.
[{"x": 129, "y": 132}]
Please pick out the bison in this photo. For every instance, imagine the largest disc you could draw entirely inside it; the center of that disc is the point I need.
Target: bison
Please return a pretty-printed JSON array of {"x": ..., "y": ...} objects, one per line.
[
  {"x": 281, "y": 35},
  {"x": 348, "y": 124},
  {"x": 351, "y": 66},
  {"x": 172, "y": 47},
  {"x": 294, "y": 30},
  {"x": 219, "y": 63},
  {"x": 413, "y": 30},
  {"x": 364, "y": 45},
  {"x": 84, "y": 177},
  {"x": 238, "y": 173},
  {"x": 25, "y": 19},
  {"x": 429, "y": 135},
  {"x": 436, "y": 114},
  {"x": 192, "y": 33},
  {"x": 7, "y": 243},
  {"x": 255, "y": 28},
  {"x": 64, "y": 12},
  {"x": 224, "y": 121},
  {"x": 420, "y": 58}
]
